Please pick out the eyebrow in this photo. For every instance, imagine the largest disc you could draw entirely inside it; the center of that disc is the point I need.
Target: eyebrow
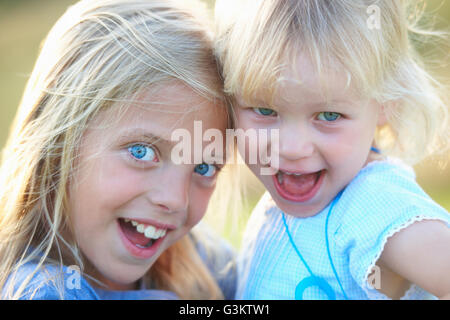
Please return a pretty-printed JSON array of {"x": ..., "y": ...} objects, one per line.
[
  {"x": 330, "y": 103},
  {"x": 256, "y": 104},
  {"x": 140, "y": 134}
]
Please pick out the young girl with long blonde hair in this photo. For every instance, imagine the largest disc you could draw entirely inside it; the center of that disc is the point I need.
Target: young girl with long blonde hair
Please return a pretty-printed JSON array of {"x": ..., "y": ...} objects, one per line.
[{"x": 92, "y": 205}]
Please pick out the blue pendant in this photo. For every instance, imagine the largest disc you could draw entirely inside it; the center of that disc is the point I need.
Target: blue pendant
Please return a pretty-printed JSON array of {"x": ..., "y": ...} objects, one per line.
[{"x": 314, "y": 281}]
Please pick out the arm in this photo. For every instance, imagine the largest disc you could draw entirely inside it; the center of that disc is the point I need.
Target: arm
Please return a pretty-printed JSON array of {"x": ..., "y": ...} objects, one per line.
[{"x": 420, "y": 254}]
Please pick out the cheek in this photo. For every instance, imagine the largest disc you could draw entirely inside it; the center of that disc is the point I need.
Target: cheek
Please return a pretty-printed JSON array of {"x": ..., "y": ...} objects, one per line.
[
  {"x": 339, "y": 147},
  {"x": 256, "y": 143},
  {"x": 347, "y": 150},
  {"x": 119, "y": 186},
  {"x": 198, "y": 203},
  {"x": 244, "y": 120},
  {"x": 100, "y": 188}
]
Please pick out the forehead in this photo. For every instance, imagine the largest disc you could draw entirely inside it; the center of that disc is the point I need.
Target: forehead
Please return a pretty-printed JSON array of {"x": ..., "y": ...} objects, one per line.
[
  {"x": 159, "y": 111},
  {"x": 177, "y": 105},
  {"x": 304, "y": 78}
]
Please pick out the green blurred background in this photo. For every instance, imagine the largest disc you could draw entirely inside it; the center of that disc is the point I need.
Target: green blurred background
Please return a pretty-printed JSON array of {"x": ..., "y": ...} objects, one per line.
[{"x": 25, "y": 23}]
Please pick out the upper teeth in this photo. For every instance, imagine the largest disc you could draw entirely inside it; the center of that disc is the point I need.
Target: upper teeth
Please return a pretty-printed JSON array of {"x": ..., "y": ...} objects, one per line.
[
  {"x": 290, "y": 174},
  {"x": 281, "y": 173},
  {"x": 149, "y": 231}
]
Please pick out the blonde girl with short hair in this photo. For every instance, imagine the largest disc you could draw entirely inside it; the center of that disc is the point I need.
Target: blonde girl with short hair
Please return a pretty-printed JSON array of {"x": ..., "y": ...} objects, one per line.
[
  {"x": 92, "y": 205},
  {"x": 342, "y": 83}
]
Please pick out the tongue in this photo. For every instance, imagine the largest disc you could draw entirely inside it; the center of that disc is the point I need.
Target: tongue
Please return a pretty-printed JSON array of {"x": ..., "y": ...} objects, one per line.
[
  {"x": 133, "y": 235},
  {"x": 299, "y": 185}
]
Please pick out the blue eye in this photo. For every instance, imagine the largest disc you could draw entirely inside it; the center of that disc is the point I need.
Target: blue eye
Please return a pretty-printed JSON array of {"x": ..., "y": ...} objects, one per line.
[
  {"x": 265, "y": 112},
  {"x": 142, "y": 152},
  {"x": 328, "y": 116},
  {"x": 206, "y": 170}
]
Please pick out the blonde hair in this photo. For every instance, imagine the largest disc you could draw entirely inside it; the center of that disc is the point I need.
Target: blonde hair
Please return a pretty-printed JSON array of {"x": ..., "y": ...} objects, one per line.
[
  {"x": 98, "y": 53},
  {"x": 256, "y": 38}
]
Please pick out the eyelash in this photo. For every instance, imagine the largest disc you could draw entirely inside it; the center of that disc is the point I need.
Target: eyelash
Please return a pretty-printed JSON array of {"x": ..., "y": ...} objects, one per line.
[
  {"x": 273, "y": 113},
  {"x": 155, "y": 155},
  {"x": 217, "y": 170},
  {"x": 258, "y": 112},
  {"x": 339, "y": 116}
]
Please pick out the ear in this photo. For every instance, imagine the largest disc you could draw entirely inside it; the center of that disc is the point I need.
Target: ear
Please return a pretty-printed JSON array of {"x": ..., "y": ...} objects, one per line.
[{"x": 382, "y": 120}]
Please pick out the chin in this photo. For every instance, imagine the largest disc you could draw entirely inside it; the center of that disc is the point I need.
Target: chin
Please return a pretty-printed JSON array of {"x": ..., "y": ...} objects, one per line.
[{"x": 298, "y": 210}]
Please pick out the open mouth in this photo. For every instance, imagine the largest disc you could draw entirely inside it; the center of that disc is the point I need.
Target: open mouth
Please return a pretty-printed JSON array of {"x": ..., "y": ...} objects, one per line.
[
  {"x": 140, "y": 239},
  {"x": 298, "y": 187}
]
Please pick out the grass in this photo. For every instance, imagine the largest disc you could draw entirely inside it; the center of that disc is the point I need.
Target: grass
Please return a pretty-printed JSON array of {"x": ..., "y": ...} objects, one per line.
[{"x": 24, "y": 25}]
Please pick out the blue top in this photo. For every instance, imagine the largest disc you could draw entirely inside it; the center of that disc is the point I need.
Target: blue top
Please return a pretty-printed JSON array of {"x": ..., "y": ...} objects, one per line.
[
  {"x": 51, "y": 281},
  {"x": 381, "y": 200}
]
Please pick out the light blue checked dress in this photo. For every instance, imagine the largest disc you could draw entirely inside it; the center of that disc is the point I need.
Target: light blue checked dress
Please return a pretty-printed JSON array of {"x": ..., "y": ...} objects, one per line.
[{"x": 381, "y": 200}]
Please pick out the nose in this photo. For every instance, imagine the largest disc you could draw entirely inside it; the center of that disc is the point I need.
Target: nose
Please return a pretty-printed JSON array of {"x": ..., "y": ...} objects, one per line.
[
  {"x": 296, "y": 141},
  {"x": 170, "y": 189}
]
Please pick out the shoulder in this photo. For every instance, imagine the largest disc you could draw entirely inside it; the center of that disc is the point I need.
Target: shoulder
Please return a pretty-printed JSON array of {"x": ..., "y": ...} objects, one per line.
[
  {"x": 32, "y": 281},
  {"x": 263, "y": 223},
  {"x": 384, "y": 192},
  {"x": 206, "y": 240},
  {"x": 142, "y": 294},
  {"x": 381, "y": 201},
  {"x": 261, "y": 217},
  {"x": 382, "y": 177},
  {"x": 219, "y": 256}
]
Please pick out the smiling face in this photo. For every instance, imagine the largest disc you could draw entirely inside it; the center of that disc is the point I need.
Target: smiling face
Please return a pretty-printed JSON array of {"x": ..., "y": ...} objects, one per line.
[
  {"x": 324, "y": 139},
  {"x": 129, "y": 201}
]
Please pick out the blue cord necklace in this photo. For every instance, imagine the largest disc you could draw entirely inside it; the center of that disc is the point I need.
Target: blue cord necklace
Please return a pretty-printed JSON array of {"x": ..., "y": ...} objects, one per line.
[{"x": 314, "y": 280}]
